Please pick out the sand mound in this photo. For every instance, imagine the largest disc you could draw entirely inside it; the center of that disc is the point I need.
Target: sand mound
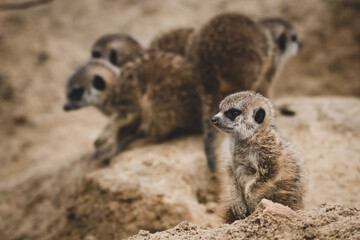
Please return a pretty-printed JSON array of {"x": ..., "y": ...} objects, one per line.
[
  {"x": 153, "y": 188},
  {"x": 274, "y": 222}
]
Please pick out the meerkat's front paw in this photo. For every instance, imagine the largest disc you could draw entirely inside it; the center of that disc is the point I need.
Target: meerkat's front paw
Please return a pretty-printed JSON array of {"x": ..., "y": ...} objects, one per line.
[
  {"x": 233, "y": 213},
  {"x": 239, "y": 211}
]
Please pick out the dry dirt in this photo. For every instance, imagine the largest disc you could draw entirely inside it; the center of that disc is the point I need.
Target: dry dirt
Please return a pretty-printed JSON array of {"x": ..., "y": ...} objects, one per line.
[
  {"x": 274, "y": 222},
  {"x": 50, "y": 187}
]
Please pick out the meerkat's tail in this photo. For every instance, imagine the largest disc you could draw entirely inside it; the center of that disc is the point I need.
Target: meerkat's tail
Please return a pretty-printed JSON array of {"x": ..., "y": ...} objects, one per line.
[
  {"x": 209, "y": 133},
  {"x": 209, "y": 137}
]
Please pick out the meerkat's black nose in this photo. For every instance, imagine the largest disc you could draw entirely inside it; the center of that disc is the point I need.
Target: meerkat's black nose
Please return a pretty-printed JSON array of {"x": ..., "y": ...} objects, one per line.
[{"x": 215, "y": 120}]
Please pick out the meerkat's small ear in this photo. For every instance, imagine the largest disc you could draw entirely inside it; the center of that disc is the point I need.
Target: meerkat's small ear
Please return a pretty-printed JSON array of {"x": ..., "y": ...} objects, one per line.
[
  {"x": 259, "y": 115},
  {"x": 281, "y": 41},
  {"x": 113, "y": 57},
  {"x": 99, "y": 83}
]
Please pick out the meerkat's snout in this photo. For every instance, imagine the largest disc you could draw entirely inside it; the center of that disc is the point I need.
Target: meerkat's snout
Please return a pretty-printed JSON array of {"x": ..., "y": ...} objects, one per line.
[
  {"x": 288, "y": 43},
  {"x": 284, "y": 36},
  {"x": 295, "y": 40},
  {"x": 215, "y": 120},
  {"x": 223, "y": 122},
  {"x": 294, "y": 45}
]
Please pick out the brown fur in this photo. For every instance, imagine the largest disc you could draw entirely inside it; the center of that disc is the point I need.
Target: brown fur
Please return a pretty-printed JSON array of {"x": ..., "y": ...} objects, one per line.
[
  {"x": 154, "y": 97},
  {"x": 261, "y": 163},
  {"x": 231, "y": 53},
  {"x": 174, "y": 41},
  {"x": 161, "y": 85},
  {"x": 122, "y": 48}
]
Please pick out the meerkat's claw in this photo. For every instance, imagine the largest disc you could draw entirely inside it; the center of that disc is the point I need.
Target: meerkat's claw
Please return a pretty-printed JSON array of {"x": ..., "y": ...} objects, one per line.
[{"x": 239, "y": 211}]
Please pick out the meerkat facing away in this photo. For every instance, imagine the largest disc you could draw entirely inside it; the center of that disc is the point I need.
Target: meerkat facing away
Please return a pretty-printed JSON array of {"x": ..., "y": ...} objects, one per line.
[
  {"x": 153, "y": 97},
  {"x": 261, "y": 164},
  {"x": 233, "y": 53},
  {"x": 174, "y": 41},
  {"x": 117, "y": 48}
]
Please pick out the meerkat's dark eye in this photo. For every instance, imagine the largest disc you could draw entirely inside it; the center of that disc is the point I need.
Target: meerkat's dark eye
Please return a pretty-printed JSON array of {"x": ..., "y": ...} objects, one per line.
[
  {"x": 282, "y": 42},
  {"x": 99, "y": 83},
  {"x": 76, "y": 94},
  {"x": 96, "y": 54},
  {"x": 113, "y": 57},
  {"x": 294, "y": 38},
  {"x": 259, "y": 115},
  {"x": 232, "y": 114}
]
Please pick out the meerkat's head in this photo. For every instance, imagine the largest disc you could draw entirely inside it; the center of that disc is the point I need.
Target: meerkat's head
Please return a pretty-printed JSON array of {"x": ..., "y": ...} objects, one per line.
[
  {"x": 284, "y": 36},
  {"x": 116, "y": 48},
  {"x": 244, "y": 114},
  {"x": 90, "y": 84}
]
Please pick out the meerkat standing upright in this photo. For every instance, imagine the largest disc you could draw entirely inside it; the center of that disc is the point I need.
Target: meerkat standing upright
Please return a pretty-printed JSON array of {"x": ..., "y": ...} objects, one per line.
[
  {"x": 233, "y": 53},
  {"x": 152, "y": 97},
  {"x": 261, "y": 163}
]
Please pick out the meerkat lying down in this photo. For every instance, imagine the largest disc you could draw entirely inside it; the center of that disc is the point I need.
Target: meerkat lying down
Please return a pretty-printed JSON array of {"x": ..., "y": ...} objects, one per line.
[
  {"x": 232, "y": 53},
  {"x": 259, "y": 162},
  {"x": 121, "y": 48},
  {"x": 152, "y": 97}
]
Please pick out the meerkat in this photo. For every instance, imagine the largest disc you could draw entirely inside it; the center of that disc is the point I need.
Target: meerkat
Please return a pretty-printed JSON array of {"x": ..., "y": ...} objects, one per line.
[
  {"x": 153, "y": 97},
  {"x": 232, "y": 53},
  {"x": 122, "y": 48},
  {"x": 174, "y": 40},
  {"x": 90, "y": 84},
  {"x": 259, "y": 162},
  {"x": 117, "y": 48}
]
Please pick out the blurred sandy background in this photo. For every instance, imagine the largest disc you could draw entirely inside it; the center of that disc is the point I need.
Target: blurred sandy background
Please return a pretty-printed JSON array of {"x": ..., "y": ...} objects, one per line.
[{"x": 40, "y": 46}]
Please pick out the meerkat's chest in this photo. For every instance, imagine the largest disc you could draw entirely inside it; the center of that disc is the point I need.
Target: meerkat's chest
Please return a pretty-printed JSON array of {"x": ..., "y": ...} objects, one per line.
[{"x": 244, "y": 166}]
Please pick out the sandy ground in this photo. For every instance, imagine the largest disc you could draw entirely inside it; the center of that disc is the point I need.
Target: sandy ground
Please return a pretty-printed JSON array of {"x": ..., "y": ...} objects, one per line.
[
  {"x": 45, "y": 153},
  {"x": 270, "y": 221}
]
